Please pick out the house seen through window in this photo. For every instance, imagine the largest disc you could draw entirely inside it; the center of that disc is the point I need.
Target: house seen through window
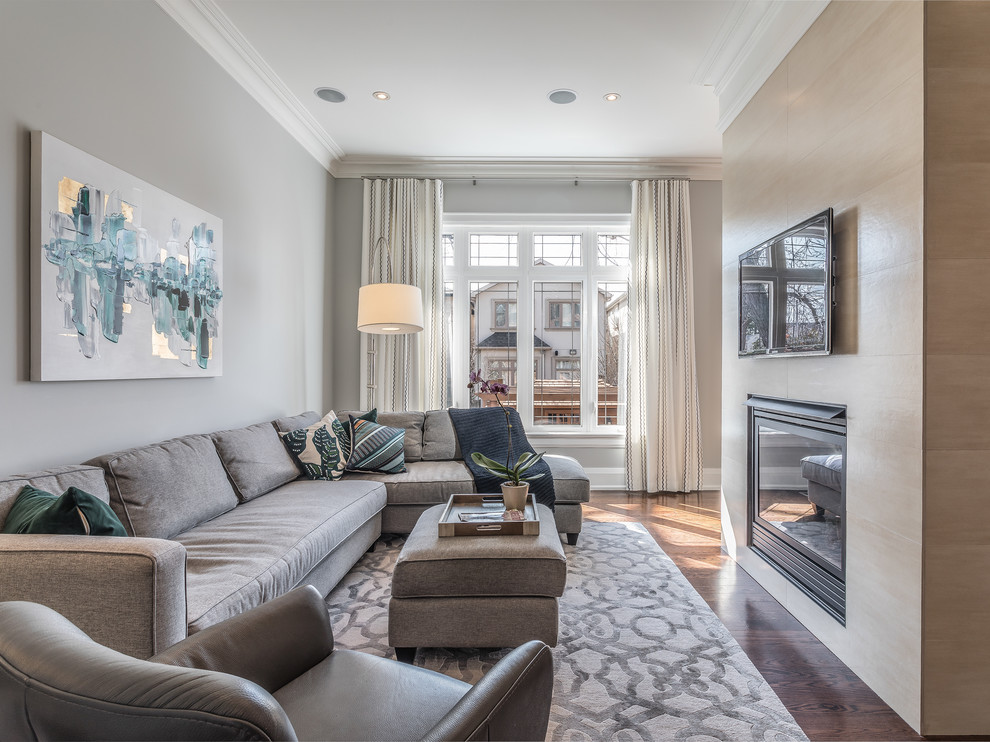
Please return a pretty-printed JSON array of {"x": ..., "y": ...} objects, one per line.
[{"x": 544, "y": 310}]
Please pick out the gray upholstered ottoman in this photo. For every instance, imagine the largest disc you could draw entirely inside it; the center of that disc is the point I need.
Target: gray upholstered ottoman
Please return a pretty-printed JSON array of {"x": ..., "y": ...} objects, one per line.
[{"x": 475, "y": 591}]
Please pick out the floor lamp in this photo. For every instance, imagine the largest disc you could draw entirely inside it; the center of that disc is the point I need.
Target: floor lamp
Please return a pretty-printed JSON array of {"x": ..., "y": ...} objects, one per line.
[{"x": 386, "y": 309}]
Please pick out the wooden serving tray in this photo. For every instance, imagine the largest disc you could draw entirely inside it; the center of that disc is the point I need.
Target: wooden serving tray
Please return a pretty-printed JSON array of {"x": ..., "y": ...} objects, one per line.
[{"x": 451, "y": 524}]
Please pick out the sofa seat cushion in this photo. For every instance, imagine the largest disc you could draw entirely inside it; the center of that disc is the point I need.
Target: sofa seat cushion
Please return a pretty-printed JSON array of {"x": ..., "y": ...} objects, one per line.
[
  {"x": 255, "y": 459},
  {"x": 423, "y": 482},
  {"x": 266, "y": 547},
  {"x": 167, "y": 488},
  {"x": 570, "y": 483}
]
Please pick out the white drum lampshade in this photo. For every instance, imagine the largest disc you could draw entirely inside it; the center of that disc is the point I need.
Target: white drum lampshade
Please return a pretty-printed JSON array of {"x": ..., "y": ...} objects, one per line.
[{"x": 390, "y": 309}]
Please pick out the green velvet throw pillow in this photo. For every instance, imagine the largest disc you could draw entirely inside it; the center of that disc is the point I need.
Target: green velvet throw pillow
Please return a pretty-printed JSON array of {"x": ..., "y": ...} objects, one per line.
[
  {"x": 345, "y": 439},
  {"x": 75, "y": 513}
]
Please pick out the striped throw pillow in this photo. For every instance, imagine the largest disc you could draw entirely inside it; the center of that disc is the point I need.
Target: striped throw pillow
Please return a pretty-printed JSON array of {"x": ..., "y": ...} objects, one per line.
[
  {"x": 376, "y": 447},
  {"x": 318, "y": 448}
]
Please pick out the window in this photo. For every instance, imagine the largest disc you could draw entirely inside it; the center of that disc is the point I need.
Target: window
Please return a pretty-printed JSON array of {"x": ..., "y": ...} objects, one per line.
[
  {"x": 563, "y": 314},
  {"x": 494, "y": 249},
  {"x": 613, "y": 303},
  {"x": 613, "y": 249},
  {"x": 492, "y": 339},
  {"x": 541, "y": 307},
  {"x": 501, "y": 370},
  {"x": 567, "y": 369},
  {"x": 447, "y": 243},
  {"x": 556, "y": 249},
  {"x": 504, "y": 313},
  {"x": 557, "y": 386}
]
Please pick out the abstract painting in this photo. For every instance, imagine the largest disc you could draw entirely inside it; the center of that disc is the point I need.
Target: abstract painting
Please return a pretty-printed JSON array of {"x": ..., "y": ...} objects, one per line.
[{"x": 126, "y": 277}]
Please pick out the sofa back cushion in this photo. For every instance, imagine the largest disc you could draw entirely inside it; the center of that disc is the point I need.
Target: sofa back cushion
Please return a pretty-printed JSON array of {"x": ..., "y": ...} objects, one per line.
[
  {"x": 411, "y": 422},
  {"x": 162, "y": 490},
  {"x": 439, "y": 441},
  {"x": 255, "y": 459},
  {"x": 302, "y": 420},
  {"x": 87, "y": 478}
]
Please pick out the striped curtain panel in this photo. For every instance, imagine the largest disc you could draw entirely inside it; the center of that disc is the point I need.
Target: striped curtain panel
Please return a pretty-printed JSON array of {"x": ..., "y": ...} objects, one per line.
[
  {"x": 663, "y": 427},
  {"x": 410, "y": 371}
]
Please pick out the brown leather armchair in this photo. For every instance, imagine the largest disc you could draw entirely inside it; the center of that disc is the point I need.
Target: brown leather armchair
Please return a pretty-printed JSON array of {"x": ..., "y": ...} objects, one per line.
[{"x": 271, "y": 673}]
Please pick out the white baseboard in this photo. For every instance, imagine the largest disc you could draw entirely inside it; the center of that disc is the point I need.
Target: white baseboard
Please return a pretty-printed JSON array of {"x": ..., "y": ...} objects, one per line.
[
  {"x": 711, "y": 479},
  {"x": 607, "y": 478},
  {"x": 614, "y": 478}
]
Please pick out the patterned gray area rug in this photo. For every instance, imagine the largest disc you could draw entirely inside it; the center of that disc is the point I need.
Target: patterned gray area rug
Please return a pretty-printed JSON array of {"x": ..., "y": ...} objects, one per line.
[{"x": 641, "y": 655}]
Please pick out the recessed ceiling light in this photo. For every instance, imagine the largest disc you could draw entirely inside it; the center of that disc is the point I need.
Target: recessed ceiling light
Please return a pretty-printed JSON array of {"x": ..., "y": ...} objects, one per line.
[
  {"x": 380, "y": 95},
  {"x": 610, "y": 97},
  {"x": 330, "y": 95},
  {"x": 562, "y": 96}
]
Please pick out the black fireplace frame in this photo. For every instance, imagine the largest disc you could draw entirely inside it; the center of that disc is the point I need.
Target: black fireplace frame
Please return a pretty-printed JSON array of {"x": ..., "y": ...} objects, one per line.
[{"x": 814, "y": 575}]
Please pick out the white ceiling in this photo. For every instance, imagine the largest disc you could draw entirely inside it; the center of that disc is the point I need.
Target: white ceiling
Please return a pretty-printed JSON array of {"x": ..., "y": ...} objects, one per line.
[{"x": 469, "y": 78}]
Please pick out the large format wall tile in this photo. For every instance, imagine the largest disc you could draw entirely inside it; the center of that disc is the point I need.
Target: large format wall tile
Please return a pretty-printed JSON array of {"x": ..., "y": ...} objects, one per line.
[
  {"x": 830, "y": 41},
  {"x": 955, "y": 685},
  {"x": 878, "y": 145},
  {"x": 889, "y": 496},
  {"x": 840, "y": 93},
  {"x": 956, "y": 208},
  {"x": 955, "y": 497},
  {"x": 957, "y": 405},
  {"x": 958, "y": 110},
  {"x": 957, "y": 314}
]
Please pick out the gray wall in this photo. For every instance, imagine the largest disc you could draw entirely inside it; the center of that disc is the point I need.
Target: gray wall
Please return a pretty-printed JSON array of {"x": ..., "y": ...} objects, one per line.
[
  {"x": 543, "y": 197},
  {"x": 123, "y": 82}
]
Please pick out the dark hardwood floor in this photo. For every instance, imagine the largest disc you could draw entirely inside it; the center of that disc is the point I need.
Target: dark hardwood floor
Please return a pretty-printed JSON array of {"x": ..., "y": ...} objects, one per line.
[{"x": 825, "y": 697}]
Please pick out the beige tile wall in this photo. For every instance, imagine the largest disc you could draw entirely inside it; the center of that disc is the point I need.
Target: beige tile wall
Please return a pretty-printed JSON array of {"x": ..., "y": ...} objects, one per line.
[
  {"x": 956, "y": 677},
  {"x": 840, "y": 124}
]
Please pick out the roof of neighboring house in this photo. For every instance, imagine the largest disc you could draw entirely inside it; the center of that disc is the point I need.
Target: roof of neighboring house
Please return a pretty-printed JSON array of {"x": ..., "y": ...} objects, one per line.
[{"x": 508, "y": 340}]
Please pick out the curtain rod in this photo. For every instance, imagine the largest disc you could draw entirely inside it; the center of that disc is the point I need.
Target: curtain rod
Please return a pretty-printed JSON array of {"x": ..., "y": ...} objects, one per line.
[{"x": 575, "y": 181}]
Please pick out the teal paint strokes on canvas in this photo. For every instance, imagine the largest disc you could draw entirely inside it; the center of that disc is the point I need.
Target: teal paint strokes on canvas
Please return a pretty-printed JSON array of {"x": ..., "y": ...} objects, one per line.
[{"x": 100, "y": 275}]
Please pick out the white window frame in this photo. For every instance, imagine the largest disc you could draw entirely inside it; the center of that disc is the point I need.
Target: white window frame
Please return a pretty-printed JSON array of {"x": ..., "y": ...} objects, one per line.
[{"x": 526, "y": 275}]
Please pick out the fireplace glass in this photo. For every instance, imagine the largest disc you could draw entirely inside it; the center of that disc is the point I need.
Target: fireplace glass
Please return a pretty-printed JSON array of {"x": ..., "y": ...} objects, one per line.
[
  {"x": 797, "y": 498},
  {"x": 800, "y": 491}
]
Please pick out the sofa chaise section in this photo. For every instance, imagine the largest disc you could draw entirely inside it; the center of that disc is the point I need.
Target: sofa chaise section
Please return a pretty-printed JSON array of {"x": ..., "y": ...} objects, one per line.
[
  {"x": 269, "y": 545},
  {"x": 251, "y": 530}
]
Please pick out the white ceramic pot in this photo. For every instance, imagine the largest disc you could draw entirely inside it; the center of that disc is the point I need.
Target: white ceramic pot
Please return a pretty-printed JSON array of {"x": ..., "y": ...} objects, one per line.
[{"x": 514, "y": 496}]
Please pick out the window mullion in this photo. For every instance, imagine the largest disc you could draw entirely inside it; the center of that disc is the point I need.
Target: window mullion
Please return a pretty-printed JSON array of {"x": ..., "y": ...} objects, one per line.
[
  {"x": 589, "y": 363},
  {"x": 524, "y": 309}
]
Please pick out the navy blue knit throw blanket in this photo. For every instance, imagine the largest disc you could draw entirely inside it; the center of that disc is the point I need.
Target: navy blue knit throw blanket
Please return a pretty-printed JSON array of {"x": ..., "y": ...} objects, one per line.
[{"x": 483, "y": 429}]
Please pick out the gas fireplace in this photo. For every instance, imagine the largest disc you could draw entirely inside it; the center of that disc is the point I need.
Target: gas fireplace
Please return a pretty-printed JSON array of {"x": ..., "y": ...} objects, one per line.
[{"x": 797, "y": 494}]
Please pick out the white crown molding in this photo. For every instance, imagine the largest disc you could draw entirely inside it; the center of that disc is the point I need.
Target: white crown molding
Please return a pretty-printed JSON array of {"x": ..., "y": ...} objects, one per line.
[
  {"x": 736, "y": 27},
  {"x": 623, "y": 168},
  {"x": 753, "y": 40},
  {"x": 216, "y": 33}
]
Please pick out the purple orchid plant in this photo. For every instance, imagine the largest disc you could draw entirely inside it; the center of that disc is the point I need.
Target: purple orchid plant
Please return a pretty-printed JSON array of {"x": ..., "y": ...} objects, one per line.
[{"x": 512, "y": 473}]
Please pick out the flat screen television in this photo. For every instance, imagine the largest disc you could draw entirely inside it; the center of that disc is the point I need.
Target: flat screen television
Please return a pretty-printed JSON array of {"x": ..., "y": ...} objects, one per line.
[{"x": 786, "y": 292}]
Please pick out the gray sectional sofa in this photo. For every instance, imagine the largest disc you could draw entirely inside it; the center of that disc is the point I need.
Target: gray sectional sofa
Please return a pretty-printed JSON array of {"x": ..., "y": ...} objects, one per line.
[{"x": 221, "y": 523}]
